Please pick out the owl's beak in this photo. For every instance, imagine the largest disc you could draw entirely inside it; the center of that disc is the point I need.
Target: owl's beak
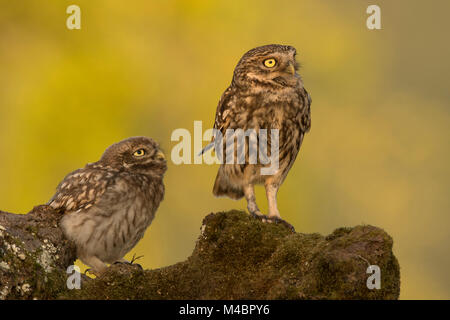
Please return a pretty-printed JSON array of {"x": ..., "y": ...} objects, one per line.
[
  {"x": 160, "y": 155},
  {"x": 290, "y": 68}
]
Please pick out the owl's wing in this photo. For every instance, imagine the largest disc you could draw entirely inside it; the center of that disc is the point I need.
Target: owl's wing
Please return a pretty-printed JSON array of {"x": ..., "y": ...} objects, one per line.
[
  {"x": 223, "y": 110},
  {"x": 222, "y": 116},
  {"x": 305, "y": 121},
  {"x": 81, "y": 189}
]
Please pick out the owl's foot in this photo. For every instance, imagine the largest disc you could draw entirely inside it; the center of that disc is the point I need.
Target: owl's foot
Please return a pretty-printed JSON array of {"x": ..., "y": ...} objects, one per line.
[
  {"x": 282, "y": 222},
  {"x": 94, "y": 272},
  {"x": 123, "y": 261},
  {"x": 129, "y": 263},
  {"x": 98, "y": 267},
  {"x": 135, "y": 258},
  {"x": 258, "y": 215}
]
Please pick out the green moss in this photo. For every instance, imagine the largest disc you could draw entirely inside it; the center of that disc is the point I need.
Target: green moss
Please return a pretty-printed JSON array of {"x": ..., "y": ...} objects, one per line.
[{"x": 32, "y": 229}]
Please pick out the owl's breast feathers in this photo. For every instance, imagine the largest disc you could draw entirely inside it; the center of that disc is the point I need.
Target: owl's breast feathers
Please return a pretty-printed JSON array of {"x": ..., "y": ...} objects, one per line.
[
  {"x": 262, "y": 109},
  {"x": 287, "y": 110}
]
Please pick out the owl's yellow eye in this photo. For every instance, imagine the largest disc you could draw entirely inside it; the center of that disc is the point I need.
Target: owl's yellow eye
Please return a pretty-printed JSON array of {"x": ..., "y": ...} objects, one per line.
[
  {"x": 139, "y": 153},
  {"x": 270, "y": 63}
]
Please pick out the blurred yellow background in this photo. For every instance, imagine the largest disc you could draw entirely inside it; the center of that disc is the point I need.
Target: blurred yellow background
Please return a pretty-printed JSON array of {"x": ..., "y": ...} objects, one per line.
[{"x": 377, "y": 152}]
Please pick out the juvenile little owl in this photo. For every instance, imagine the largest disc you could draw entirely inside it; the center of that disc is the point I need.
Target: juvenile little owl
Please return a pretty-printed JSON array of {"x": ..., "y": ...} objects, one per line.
[
  {"x": 108, "y": 204},
  {"x": 266, "y": 92}
]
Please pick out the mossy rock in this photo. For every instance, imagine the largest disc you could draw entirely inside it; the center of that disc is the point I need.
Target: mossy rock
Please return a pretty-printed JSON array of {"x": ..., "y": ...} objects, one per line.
[
  {"x": 239, "y": 257},
  {"x": 33, "y": 255}
]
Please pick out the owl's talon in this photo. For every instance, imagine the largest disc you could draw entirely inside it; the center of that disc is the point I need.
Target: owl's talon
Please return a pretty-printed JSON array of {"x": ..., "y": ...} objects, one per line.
[
  {"x": 135, "y": 258},
  {"x": 259, "y": 216},
  {"x": 130, "y": 263},
  {"x": 282, "y": 222},
  {"x": 92, "y": 272}
]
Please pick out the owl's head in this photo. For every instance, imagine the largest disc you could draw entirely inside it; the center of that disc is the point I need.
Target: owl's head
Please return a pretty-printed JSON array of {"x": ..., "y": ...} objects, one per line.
[
  {"x": 272, "y": 64},
  {"x": 136, "y": 154}
]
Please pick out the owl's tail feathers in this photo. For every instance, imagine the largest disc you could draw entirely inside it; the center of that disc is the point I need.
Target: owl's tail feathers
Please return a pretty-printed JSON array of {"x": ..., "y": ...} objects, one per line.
[
  {"x": 209, "y": 146},
  {"x": 222, "y": 187}
]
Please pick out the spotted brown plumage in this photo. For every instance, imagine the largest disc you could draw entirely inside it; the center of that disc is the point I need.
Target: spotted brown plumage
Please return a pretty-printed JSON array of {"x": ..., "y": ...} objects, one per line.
[
  {"x": 108, "y": 205},
  {"x": 266, "y": 92}
]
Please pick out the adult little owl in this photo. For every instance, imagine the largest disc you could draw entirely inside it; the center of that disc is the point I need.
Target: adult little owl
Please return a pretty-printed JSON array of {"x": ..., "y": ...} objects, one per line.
[
  {"x": 266, "y": 92},
  {"x": 109, "y": 204}
]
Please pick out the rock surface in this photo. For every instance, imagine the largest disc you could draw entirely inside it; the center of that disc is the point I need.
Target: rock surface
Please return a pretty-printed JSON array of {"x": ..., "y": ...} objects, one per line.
[
  {"x": 33, "y": 255},
  {"x": 235, "y": 257}
]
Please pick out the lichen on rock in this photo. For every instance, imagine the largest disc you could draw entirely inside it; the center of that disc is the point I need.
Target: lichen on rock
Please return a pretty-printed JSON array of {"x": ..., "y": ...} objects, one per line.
[{"x": 36, "y": 253}]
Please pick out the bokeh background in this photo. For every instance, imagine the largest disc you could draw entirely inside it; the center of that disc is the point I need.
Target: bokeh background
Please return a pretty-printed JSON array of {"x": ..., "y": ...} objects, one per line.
[{"x": 377, "y": 152}]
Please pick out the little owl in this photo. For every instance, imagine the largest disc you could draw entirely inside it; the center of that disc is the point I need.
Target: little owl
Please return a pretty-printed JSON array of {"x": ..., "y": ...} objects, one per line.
[
  {"x": 266, "y": 92},
  {"x": 108, "y": 204}
]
